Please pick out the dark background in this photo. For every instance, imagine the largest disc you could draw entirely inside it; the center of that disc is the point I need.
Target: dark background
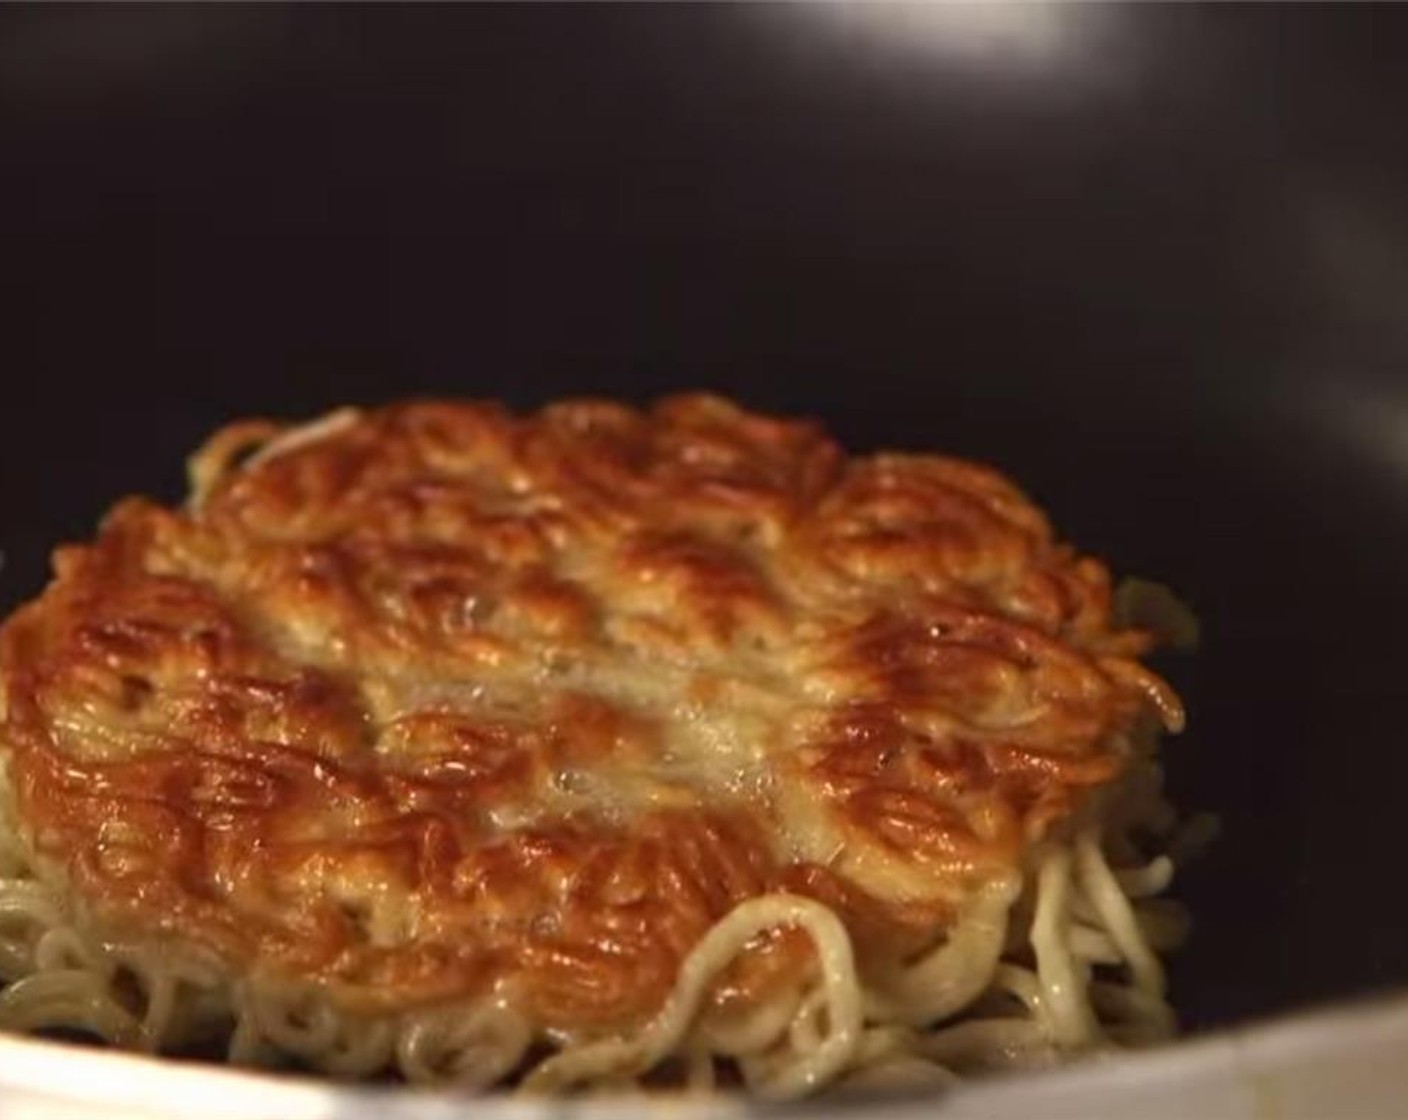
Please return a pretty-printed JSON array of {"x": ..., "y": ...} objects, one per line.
[{"x": 1155, "y": 265}]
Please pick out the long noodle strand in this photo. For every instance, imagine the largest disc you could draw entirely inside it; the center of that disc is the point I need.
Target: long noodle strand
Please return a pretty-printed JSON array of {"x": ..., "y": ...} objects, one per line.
[
  {"x": 1072, "y": 1022},
  {"x": 1101, "y": 888}
]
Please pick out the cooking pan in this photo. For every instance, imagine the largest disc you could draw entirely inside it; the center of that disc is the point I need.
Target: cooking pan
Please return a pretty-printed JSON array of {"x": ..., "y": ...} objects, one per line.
[{"x": 1148, "y": 260}]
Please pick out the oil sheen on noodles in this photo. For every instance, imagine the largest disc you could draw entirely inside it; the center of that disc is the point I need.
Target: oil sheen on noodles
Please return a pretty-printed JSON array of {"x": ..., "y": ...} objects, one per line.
[{"x": 1060, "y": 961}]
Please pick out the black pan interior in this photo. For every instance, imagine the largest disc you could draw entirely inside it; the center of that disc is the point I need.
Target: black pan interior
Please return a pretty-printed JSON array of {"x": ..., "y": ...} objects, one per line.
[{"x": 1149, "y": 260}]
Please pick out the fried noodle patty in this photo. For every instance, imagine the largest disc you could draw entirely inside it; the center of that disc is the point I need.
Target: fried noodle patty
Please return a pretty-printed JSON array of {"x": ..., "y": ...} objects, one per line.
[{"x": 435, "y": 701}]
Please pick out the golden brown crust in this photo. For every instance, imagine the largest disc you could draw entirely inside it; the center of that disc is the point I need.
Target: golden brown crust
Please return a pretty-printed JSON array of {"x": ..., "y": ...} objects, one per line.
[{"x": 438, "y": 699}]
